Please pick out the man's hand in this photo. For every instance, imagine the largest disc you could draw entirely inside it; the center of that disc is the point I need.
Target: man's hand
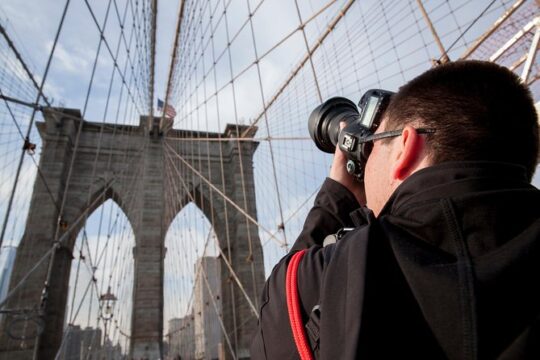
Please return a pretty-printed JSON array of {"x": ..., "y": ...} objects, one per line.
[{"x": 338, "y": 172}]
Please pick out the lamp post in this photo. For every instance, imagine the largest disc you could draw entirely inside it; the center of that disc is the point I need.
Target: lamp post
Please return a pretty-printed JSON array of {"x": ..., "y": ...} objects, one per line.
[{"x": 107, "y": 302}]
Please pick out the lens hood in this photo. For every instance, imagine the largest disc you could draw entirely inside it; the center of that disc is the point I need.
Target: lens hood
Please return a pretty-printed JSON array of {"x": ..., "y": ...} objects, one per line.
[{"x": 323, "y": 123}]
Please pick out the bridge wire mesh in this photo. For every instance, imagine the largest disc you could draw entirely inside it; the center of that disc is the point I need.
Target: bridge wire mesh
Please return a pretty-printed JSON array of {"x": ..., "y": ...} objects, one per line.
[
  {"x": 233, "y": 66},
  {"x": 129, "y": 86}
]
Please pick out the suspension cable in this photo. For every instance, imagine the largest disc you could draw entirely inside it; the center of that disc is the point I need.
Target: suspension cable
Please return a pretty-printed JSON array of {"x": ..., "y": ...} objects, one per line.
[
  {"x": 297, "y": 69},
  {"x": 225, "y": 197},
  {"x": 30, "y": 125},
  {"x": 223, "y": 255}
]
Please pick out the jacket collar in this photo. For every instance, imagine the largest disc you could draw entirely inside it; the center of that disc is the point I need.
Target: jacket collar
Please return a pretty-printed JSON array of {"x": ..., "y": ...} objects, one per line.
[{"x": 453, "y": 179}]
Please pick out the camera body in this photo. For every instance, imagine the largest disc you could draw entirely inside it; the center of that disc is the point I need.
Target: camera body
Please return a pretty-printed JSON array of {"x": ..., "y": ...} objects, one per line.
[{"x": 324, "y": 126}]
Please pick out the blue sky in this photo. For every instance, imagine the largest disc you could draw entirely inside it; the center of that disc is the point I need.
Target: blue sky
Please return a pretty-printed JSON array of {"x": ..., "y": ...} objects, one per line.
[{"x": 352, "y": 60}]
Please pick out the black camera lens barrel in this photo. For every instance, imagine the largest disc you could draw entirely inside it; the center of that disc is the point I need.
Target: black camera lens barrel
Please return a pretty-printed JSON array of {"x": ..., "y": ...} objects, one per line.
[{"x": 323, "y": 124}]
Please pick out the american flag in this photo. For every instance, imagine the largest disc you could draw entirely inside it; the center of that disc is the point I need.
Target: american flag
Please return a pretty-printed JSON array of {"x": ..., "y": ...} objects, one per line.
[{"x": 169, "y": 110}]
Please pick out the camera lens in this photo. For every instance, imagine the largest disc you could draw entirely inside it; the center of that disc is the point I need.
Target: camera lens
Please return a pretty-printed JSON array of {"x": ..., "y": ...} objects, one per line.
[{"x": 323, "y": 124}]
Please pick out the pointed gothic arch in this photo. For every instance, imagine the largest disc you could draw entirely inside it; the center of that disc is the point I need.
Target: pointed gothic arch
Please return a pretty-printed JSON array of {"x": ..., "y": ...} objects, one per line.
[
  {"x": 95, "y": 248},
  {"x": 128, "y": 164}
]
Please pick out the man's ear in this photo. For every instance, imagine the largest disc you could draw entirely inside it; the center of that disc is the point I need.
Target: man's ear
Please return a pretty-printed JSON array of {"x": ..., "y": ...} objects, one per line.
[{"x": 408, "y": 153}]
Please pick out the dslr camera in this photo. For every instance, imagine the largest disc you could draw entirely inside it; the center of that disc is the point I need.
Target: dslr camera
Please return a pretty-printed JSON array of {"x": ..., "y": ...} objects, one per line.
[{"x": 356, "y": 138}]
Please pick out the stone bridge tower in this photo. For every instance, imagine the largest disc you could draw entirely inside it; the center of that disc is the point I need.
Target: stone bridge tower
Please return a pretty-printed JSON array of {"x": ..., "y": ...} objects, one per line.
[{"x": 110, "y": 161}]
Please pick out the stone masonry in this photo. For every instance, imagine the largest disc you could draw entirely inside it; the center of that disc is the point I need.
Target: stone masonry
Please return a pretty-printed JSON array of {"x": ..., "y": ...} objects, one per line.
[{"x": 114, "y": 162}]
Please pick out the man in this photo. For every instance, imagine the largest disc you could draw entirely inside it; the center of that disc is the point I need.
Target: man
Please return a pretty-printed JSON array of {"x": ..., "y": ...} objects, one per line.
[{"x": 444, "y": 261}]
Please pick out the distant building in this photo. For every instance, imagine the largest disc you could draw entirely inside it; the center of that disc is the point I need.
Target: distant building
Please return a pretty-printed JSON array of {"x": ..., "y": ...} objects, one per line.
[
  {"x": 110, "y": 351},
  {"x": 166, "y": 349},
  {"x": 7, "y": 259},
  {"x": 181, "y": 339},
  {"x": 207, "y": 308},
  {"x": 81, "y": 344}
]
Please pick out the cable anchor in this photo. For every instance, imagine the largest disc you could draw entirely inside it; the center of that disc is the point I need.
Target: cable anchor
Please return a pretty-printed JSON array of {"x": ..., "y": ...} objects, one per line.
[
  {"x": 62, "y": 224},
  {"x": 29, "y": 147}
]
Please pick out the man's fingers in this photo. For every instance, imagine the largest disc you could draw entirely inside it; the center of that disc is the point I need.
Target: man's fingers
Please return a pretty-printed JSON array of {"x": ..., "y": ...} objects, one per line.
[{"x": 338, "y": 153}]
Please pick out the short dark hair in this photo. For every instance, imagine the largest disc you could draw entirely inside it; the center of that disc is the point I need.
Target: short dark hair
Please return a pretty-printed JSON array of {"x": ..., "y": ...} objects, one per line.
[{"x": 480, "y": 110}]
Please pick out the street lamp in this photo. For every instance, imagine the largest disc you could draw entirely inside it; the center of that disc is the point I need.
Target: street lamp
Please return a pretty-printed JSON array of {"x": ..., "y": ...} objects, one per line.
[{"x": 107, "y": 302}]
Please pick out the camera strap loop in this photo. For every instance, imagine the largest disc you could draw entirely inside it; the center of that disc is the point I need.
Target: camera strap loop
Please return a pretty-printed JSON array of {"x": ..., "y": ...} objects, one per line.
[
  {"x": 293, "y": 307},
  {"x": 333, "y": 238}
]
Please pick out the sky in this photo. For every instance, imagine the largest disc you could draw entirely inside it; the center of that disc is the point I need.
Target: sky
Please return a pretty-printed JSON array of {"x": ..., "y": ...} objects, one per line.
[
  {"x": 66, "y": 86},
  {"x": 356, "y": 56},
  {"x": 77, "y": 45}
]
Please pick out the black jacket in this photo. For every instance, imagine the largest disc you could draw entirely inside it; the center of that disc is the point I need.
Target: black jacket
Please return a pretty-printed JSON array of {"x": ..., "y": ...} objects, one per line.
[{"x": 450, "y": 269}]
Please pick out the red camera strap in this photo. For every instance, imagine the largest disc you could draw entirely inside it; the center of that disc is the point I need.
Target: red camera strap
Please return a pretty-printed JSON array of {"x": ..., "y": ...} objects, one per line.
[{"x": 293, "y": 306}]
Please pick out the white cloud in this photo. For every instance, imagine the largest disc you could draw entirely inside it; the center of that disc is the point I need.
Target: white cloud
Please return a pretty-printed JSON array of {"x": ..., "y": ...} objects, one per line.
[{"x": 75, "y": 60}]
